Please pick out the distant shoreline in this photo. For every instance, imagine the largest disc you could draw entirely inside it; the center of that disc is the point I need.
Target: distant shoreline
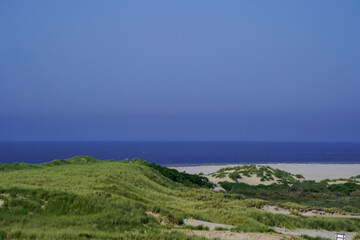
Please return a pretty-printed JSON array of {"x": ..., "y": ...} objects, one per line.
[
  {"x": 179, "y": 154},
  {"x": 249, "y": 163},
  {"x": 311, "y": 171}
]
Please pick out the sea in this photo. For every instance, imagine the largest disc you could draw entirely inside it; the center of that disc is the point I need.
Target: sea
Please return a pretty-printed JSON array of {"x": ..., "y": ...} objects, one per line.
[{"x": 185, "y": 153}]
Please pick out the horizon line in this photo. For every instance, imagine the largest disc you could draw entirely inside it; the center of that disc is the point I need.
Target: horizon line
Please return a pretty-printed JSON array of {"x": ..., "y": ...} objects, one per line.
[{"x": 174, "y": 141}]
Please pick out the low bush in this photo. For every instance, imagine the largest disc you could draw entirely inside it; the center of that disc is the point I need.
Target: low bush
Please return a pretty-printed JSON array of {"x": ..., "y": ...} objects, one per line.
[
  {"x": 198, "y": 227},
  {"x": 314, "y": 238},
  {"x": 189, "y": 180},
  {"x": 235, "y": 175}
]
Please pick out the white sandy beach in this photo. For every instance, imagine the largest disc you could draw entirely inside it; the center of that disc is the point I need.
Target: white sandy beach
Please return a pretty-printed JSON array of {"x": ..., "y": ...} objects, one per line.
[{"x": 315, "y": 172}]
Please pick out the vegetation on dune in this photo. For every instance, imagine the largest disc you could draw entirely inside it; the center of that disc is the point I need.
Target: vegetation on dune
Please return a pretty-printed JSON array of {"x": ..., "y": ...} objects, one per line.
[
  {"x": 314, "y": 238},
  {"x": 22, "y": 166},
  {"x": 342, "y": 197},
  {"x": 265, "y": 173},
  {"x": 84, "y": 197},
  {"x": 235, "y": 175},
  {"x": 17, "y": 166},
  {"x": 357, "y": 236},
  {"x": 199, "y": 227},
  {"x": 189, "y": 180},
  {"x": 74, "y": 160},
  {"x": 291, "y": 222},
  {"x": 71, "y": 207}
]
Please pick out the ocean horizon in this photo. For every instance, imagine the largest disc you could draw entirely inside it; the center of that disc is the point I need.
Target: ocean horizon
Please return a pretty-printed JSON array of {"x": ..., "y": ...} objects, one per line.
[{"x": 185, "y": 153}]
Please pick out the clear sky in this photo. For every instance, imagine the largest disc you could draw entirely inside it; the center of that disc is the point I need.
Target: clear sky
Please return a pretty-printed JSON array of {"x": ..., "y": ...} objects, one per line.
[{"x": 180, "y": 70}]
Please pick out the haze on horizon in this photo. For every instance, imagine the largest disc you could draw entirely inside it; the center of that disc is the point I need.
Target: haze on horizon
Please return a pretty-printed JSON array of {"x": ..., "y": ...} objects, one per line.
[{"x": 180, "y": 70}]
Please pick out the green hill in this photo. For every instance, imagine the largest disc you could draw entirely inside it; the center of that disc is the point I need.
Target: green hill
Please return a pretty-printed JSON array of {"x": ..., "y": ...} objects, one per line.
[{"x": 83, "y": 197}]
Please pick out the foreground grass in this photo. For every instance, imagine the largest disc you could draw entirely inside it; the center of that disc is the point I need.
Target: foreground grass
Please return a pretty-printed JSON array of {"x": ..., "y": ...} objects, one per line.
[{"x": 87, "y": 198}]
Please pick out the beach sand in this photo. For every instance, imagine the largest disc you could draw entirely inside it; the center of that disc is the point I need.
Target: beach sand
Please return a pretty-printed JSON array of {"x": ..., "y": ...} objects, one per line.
[{"x": 315, "y": 172}]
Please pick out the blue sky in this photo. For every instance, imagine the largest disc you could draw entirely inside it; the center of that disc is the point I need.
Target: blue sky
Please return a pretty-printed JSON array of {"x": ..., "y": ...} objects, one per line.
[{"x": 180, "y": 70}]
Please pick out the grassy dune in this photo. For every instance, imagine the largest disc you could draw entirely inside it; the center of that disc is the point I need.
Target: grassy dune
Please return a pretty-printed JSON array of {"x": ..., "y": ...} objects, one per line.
[{"x": 86, "y": 198}]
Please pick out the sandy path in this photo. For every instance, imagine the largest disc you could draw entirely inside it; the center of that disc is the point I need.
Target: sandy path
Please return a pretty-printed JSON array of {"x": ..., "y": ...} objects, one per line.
[
  {"x": 210, "y": 225},
  {"x": 315, "y": 172},
  {"x": 226, "y": 235},
  {"x": 287, "y": 234},
  {"x": 314, "y": 233}
]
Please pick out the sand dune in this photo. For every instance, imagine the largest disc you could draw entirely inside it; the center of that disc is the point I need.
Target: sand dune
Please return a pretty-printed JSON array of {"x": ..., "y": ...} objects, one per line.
[{"x": 315, "y": 172}]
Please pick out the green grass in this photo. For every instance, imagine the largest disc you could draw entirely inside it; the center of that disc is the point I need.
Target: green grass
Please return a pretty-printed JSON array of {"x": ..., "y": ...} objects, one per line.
[
  {"x": 357, "y": 236},
  {"x": 235, "y": 175},
  {"x": 189, "y": 180},
  {"x": 83, "y": 197},
  {"x": 199, "y": 227}
]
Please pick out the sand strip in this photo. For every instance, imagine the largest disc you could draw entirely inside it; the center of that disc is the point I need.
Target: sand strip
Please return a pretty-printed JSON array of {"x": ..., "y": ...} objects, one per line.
[
  {"x": 227, "y": 235},
  {"x": 210, "y": 225}
]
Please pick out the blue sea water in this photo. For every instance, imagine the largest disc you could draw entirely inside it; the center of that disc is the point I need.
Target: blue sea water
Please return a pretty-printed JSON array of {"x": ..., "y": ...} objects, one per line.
[{"x": 184, "y": 153}]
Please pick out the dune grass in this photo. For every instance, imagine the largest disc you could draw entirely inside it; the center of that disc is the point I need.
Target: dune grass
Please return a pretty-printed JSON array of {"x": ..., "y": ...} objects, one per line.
[
  {"x": 86, "y": 198},
  {"x": 340, "y": 197},
  {"x": 265, "y": 173}
]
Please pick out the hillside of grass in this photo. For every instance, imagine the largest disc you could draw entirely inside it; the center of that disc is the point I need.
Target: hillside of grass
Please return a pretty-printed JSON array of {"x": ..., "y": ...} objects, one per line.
[
  {"x": 189, "y": 180},
  {"x": 83, "y": 198}
]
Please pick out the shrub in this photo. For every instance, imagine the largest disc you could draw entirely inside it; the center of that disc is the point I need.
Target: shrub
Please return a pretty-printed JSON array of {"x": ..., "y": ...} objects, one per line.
[
  {"x": 234, "y": 175},
  {"x": 221, "y": 229},
  {"x": 314, "y": 238},
  {"x": 189, "y": 180},
  {"x": 357, "y": 236},
  {"x": 16, "y": 235},
  {"x": 3, "y": 234},
  {"x": 198, "y": 227}
]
